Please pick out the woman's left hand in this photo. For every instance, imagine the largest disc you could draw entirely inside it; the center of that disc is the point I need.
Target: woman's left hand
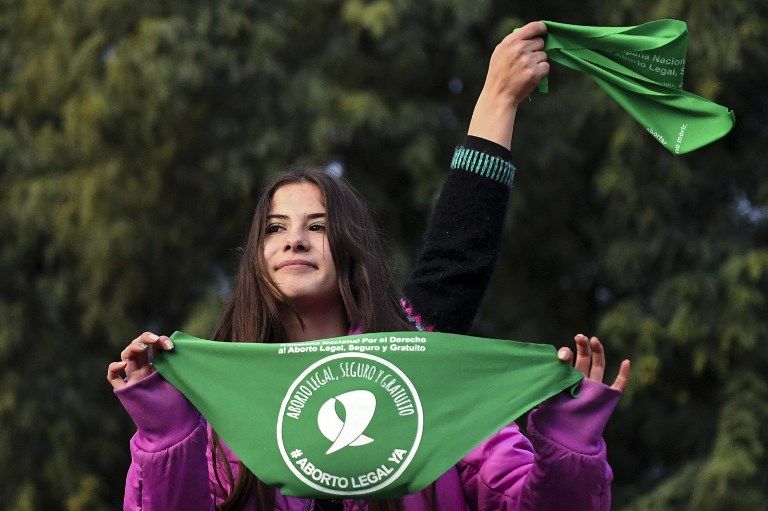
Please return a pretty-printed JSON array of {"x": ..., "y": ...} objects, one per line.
[{"x": 590, "y": 361}]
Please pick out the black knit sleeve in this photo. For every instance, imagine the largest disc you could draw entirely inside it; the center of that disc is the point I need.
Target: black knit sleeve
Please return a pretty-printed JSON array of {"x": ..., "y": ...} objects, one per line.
[{"x": 463, "y": 239}]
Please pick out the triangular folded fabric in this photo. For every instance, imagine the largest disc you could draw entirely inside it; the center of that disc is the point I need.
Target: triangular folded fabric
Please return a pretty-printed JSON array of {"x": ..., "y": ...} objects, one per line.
[
  {"x": 641, "y": 68},
  {"x": 369, "y": 415}
]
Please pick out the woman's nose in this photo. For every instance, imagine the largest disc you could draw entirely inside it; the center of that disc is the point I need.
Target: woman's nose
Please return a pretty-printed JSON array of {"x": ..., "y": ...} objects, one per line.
[{"x": 296, "y": 241}]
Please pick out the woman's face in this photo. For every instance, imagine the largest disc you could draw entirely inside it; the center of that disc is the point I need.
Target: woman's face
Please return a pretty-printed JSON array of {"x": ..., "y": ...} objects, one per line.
[{"x": 296, "y": 250}]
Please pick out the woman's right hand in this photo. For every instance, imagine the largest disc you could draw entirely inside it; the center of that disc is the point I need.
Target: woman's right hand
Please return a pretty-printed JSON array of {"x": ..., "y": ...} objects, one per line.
[{"x": 134, "y": 362}]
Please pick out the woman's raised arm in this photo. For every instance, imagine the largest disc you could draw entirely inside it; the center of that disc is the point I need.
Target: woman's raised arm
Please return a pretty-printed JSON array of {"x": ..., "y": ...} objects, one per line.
[{"x": 463, "y": 239}]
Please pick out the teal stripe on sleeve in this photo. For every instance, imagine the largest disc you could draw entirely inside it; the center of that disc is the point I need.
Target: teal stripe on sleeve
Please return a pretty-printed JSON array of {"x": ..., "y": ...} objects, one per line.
[{"x": 484, "y": 164}]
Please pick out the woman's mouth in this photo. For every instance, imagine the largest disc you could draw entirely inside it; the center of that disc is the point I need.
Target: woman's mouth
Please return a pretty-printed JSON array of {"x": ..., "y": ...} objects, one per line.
[{"x": 296, "y": 263}]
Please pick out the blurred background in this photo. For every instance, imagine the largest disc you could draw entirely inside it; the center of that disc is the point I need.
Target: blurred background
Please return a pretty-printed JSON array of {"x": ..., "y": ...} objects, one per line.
[{"x": 135, "y": 136}]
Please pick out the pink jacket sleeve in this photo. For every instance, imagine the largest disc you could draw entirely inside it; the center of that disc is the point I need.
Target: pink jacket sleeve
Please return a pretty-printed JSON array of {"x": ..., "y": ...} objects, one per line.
[
  {"x": 168, "y": 468},
  {"x": 561, "y": 466}
]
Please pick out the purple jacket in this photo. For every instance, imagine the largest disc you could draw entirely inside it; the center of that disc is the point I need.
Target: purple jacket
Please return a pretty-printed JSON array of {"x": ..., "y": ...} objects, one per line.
[{"x": 561, "y": 465}]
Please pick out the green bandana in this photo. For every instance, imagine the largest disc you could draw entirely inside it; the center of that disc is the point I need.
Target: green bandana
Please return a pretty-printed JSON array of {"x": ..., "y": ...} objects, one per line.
[
  {"x": 642, "y": 68},
  {"x": 371, "y": 415}
]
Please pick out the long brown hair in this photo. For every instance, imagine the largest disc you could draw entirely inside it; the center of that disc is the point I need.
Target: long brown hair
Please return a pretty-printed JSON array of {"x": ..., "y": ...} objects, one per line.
[{"x": 252, "y": 315}]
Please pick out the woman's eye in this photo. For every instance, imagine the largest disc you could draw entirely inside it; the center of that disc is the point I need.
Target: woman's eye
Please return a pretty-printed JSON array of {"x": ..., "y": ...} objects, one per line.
[
  {"x": 273, "y": 228},
  {"x": 317, "y": 227}
]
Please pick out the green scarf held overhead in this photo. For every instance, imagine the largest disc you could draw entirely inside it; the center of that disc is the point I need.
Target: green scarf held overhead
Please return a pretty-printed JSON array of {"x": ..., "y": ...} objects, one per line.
[
  {"x": 369, "y": 415},
  {"x": 641, "y": 68}
]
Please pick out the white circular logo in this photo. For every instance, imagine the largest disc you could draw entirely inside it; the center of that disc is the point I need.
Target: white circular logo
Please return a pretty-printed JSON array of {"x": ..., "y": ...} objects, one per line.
[{"x": 350, "y": 424}]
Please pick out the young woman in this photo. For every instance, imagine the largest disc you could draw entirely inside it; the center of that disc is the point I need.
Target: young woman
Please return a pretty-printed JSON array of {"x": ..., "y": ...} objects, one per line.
[{"x": 312, "y": 269}]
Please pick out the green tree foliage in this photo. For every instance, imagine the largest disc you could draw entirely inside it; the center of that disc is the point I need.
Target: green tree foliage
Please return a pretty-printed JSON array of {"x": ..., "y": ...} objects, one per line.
[{"x": 135, "y": 136}]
